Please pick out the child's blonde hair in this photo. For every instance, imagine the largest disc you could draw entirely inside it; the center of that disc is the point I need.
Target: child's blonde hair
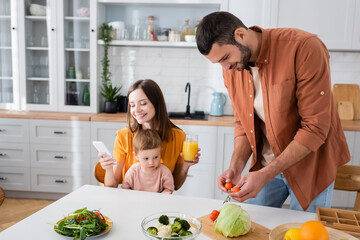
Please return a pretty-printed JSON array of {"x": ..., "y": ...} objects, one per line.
[{"x": 146, "y": 139}]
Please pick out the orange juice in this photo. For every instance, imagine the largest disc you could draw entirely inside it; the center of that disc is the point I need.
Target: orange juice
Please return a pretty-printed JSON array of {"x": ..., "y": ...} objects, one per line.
[{"x": 190, "y": 149}]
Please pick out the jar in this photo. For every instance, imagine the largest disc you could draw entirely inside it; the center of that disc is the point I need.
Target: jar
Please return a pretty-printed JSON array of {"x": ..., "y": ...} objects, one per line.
[
  {"x": 150, "y": 28},
  {"x": 174, "y": 36}
]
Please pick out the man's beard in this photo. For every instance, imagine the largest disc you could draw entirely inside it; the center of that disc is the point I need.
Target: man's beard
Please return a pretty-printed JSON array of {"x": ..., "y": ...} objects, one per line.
[{"x": 246, "y": 55}]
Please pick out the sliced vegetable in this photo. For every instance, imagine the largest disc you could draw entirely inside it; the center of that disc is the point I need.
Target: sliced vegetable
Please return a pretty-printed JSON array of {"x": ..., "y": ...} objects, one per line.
[
  {"x": 163, "y": 219},
  {"x": 214, "y": 214},
  {"x": 152, "y": 230}
]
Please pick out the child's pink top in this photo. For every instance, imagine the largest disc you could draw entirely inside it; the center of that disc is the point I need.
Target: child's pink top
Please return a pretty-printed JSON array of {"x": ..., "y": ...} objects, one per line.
[{"x": 157, "y": 181}]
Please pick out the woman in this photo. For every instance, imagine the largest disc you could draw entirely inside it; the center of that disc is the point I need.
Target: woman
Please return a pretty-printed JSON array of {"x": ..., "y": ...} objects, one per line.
[{"x": 146, "y": 110}]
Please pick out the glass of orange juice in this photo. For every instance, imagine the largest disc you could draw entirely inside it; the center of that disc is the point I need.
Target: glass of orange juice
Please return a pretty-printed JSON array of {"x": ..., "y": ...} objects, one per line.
[{"x": 190, "y": 147}]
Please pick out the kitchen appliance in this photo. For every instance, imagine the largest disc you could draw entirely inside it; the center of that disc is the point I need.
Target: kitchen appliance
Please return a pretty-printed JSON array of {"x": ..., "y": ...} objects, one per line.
[
  {"x": 347, "y": 93},
  {"x": 217, "y": 104}
]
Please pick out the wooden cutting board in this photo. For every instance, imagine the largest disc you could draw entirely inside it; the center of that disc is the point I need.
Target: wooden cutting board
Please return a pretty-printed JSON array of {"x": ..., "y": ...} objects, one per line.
[
  {"x": 346, "y": 110},
  {"x": 348, "y": 92},
  {"x": 256, "y": 232}
]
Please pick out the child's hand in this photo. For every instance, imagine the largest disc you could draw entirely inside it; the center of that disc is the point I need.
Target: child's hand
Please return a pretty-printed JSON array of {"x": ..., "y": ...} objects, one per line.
[{"x": 107, "y": 162}]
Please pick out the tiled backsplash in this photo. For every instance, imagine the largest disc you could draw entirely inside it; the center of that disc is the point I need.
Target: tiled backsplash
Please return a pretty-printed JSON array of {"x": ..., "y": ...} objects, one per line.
[{"x": 172, "y": 68}]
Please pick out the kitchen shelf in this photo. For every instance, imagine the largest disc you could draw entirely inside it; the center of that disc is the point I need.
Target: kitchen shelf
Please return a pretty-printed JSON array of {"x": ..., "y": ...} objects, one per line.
[
  {"x": 191, "y": 3},
  {"x": 41, "y": 18},
  {"x": 149, "y": 43},
  {"x": 77, "y": 18},
  {"x": 77, "y": 80},
  {"x": 5, "y": 48}
]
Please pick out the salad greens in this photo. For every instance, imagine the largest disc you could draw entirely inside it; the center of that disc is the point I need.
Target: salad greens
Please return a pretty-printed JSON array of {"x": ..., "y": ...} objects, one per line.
[{"x": 81, "y": 224}]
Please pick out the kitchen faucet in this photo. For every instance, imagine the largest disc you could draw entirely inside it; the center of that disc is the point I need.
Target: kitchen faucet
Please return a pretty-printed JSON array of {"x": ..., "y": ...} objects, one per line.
[{"x": 188, "y": 103}]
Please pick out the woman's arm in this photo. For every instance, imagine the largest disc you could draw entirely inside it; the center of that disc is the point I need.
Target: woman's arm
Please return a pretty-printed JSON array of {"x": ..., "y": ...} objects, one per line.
[{"x": 180, "y": 174}]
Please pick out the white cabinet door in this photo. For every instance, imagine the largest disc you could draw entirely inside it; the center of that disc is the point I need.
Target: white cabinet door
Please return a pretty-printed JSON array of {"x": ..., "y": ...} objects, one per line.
[
  {"x": 60, "y": 132},
  {"x": 202, "y": 179},
  {"x": 251, "y": 12},
  {"x": 60, "y": 156},
  {"x": 58, "y": 180},
  {"x": 15, "y": 178},
  {"x": 334, "y": 24},
  {"x": 14, "y": 130},
  {"x": 356, "y": 33},
  {"x": 14, "y": 155}
]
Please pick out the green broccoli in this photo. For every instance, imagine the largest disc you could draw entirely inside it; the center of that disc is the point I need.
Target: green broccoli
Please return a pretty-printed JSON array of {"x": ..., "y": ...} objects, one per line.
[
  {"x": 176, "y": 226},
  {"x": 152, "y": 230},
  {"x": 163, "y": 219},
  {"x": 186, "y": 233},
  {"x": 185, "y": 225}
]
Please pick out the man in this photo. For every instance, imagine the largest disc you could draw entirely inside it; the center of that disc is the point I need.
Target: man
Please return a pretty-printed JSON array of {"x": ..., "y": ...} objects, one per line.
[{"x": 278, "y": 81}]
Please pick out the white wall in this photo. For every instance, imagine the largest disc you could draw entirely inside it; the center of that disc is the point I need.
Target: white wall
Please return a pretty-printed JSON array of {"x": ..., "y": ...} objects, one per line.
[{"x": 172, "y": 68}]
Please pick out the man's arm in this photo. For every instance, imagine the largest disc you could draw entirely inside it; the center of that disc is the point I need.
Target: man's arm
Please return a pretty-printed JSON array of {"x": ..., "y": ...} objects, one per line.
[{"x": 254, "y": 181}]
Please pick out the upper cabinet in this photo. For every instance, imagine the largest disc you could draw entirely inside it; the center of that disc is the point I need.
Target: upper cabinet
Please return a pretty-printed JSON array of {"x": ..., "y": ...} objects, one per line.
[
  {"x": 331, "y": 20},
  {"x": 9, "y": 79},
  {"x": 336, "y": 23},
  {"x": 45, "y": 49}
]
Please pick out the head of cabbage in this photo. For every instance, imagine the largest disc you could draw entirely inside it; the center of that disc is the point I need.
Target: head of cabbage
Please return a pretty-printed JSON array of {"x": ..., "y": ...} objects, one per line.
[{"x": 233, "y": 221}]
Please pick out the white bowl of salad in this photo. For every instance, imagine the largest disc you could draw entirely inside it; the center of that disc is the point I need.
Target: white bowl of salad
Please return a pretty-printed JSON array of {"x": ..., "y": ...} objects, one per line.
[{"x": 171, "y": 225}]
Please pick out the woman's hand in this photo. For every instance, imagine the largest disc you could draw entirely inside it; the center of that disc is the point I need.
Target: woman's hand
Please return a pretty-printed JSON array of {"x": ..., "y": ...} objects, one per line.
[
  {"x": 195, "y": 161},
  {"x": 107, "y": 162}
]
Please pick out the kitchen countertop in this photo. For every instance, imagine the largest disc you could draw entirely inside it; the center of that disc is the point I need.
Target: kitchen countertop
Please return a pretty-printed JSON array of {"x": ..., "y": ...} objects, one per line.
[
  {"x": 348, "y": 125},
  {"x": 127, "y": 208}
]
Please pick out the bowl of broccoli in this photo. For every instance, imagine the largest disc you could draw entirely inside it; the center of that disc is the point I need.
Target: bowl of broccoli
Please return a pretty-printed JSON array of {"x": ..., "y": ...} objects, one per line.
[{"x": 171, "y": 225}]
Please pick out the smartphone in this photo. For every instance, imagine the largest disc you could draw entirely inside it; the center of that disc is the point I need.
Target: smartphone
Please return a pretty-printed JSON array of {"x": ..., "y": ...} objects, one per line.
[{"x": 100, "y": 147}]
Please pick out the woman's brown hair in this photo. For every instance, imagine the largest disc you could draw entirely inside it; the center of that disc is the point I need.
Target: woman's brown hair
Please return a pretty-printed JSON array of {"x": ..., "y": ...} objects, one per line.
[{"x": 162, "y": 123}]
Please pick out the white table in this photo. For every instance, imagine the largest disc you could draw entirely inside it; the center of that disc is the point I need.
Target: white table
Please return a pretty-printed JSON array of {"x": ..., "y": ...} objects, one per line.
[{"x": 127, "y": 209}]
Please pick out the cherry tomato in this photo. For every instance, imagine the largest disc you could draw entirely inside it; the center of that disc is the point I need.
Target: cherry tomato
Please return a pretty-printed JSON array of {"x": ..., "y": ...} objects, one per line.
[
  {"x": 235, "y": 189},
  {"x": 81, "y": 218},
  {"x": 214, "y": 214},
  {"x": 99, "y": 215},
  {"x": 228, "y": 185}
]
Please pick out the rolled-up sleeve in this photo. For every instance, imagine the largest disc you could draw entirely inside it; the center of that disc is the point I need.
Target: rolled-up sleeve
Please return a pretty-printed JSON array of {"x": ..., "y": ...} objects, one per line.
[{"x": 313, "y": 93}]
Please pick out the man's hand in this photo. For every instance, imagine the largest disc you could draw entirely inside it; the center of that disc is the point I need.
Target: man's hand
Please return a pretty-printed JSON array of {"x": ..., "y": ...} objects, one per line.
[
  {"x": 250, "y": 185},
  {"x": 230, "y": 175}
]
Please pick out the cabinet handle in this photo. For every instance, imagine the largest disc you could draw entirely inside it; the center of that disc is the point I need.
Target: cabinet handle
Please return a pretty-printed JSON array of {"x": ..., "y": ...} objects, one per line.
[
  {"x": 3, "y": 178},
  {"x": 59, "y": 181},
  {"x": 13, "y": 28},
  {"x": 2, "y": 154},
  {"x": 59, "y": 132},
  {"x": 92, "y": 30},
  {"x": 53, "y": 29},
  {"x": 59, "y": 157},
  {"x": 2, "y": 130}
]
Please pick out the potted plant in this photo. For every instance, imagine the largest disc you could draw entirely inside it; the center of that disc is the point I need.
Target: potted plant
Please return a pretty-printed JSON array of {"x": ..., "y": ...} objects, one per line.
[{"x": 108, "y": 91}]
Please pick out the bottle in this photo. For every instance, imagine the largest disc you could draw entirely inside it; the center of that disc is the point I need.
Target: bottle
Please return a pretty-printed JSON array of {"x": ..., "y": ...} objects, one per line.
[
  {"x": 185, "y": 30},
  {"x": 136, "y": 35},
  {"x": 150, "y": 28},
  {"x": 196, "y": 26},
  {"x": 86, "y": 96},
  {"x": 71, "y": 72},
  {"x": 78, "y": 73}
]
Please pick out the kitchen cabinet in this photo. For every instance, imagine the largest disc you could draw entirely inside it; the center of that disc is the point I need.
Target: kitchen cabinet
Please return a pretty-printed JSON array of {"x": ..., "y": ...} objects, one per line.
[
  {"x": 60, "y": 155},
  {"x": 14, "y": 154},
  {"x": 201, "y": 180},
  {"x": 105, "y": 132},
  {"x": 9, "y": 74},
  {"x": 50, "y": 44},
  {"x": 252, "y": 12},
  {"x": 334, "y": 24}
]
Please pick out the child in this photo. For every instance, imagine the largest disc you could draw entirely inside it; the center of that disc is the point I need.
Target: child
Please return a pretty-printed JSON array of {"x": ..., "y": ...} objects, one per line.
[{"x": 148, "y": 174}]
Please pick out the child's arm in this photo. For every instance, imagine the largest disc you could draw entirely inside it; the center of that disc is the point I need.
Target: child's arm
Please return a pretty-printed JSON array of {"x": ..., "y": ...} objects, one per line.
[{"x": 167, "y": 191}]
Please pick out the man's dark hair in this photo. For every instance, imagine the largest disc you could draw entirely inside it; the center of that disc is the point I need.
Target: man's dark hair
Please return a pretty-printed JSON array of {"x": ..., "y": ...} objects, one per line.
[{"x": 217, "y": 27}]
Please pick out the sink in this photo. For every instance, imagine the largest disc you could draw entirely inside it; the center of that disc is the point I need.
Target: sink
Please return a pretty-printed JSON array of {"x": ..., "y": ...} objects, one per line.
[{"x": 192, "y": 116}]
